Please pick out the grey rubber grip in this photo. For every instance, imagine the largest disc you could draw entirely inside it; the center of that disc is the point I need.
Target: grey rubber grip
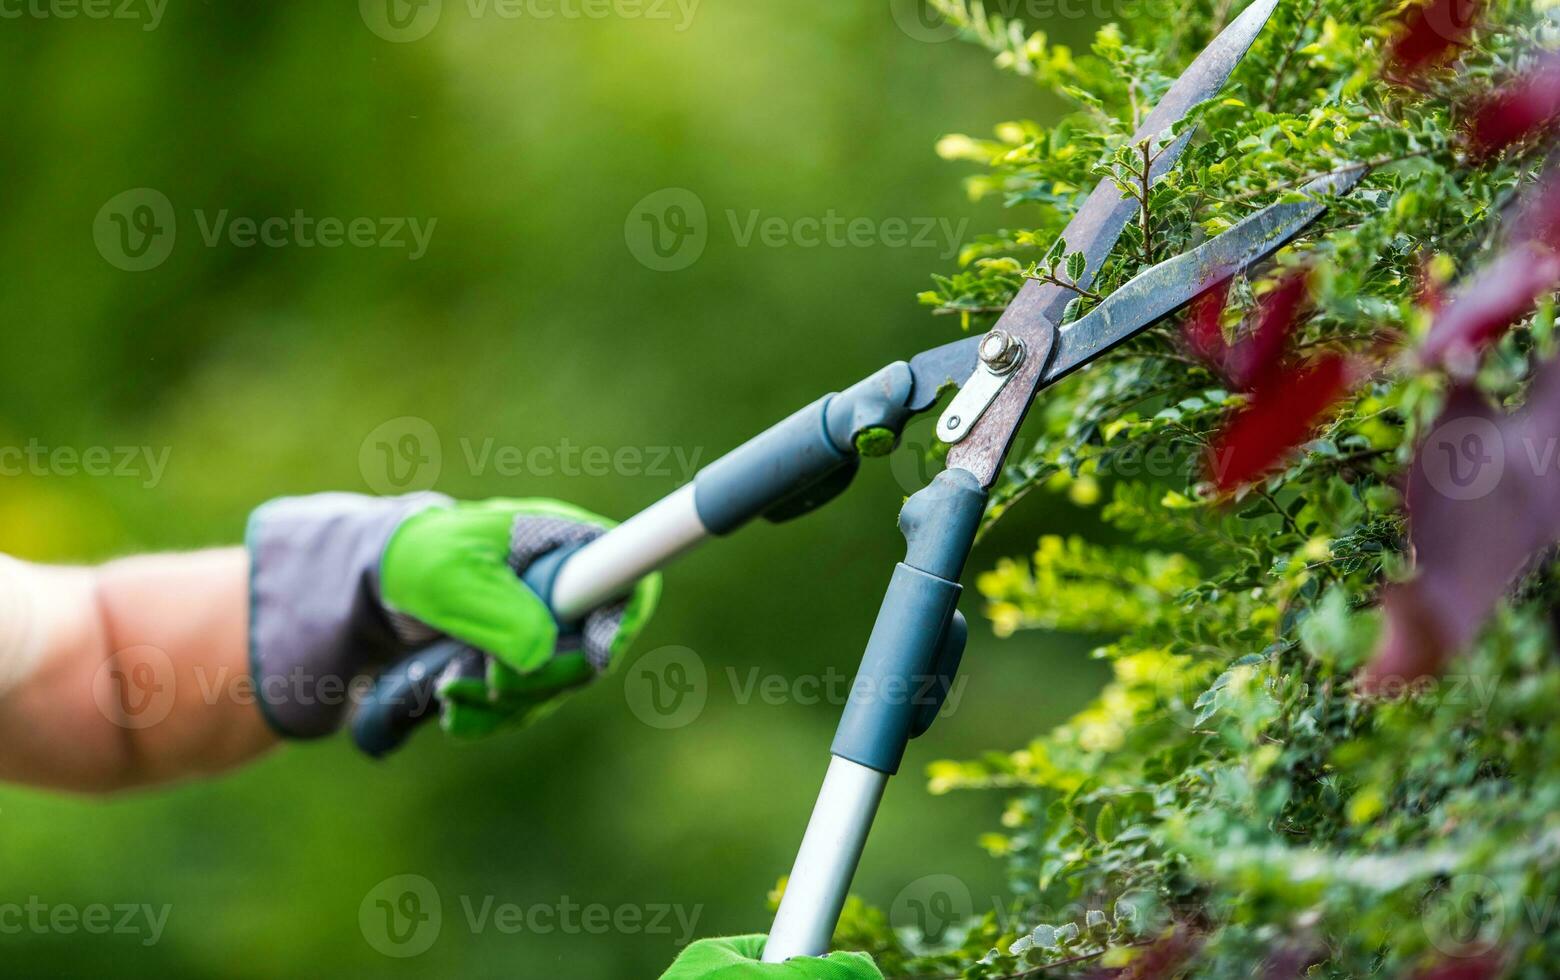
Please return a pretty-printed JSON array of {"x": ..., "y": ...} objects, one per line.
[
  {"x": 763, "y": 473},
  {"x": 909, "y": 653},
  {"x": 898, "y": 675},
  {"x": 805, "y": 461}
]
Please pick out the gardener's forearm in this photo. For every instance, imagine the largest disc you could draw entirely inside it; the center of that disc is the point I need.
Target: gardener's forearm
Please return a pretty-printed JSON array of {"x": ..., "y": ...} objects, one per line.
[{"x": 127, "y": 675}]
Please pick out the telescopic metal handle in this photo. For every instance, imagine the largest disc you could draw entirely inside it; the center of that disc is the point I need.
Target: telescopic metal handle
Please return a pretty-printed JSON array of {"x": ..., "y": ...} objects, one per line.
[
  {"x": 609, "y": 566},
  {"x": 820, "y": 880},
  {"x": 915, "y": 646}
]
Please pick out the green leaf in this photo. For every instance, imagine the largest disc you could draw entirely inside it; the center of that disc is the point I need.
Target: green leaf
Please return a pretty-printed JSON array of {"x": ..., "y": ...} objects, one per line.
[{"x": 1106, "y": 825}]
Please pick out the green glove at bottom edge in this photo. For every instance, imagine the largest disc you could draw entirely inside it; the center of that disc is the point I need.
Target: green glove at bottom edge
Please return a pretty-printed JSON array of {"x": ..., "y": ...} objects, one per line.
[{"x": 740, "y": 958}]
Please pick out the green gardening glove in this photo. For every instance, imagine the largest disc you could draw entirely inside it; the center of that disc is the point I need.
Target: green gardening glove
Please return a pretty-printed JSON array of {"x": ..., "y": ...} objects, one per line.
[
  {"x": 344, "y": 587},
  {"x": 740, "y": 959},
  {"x": 455, "y": 571}
]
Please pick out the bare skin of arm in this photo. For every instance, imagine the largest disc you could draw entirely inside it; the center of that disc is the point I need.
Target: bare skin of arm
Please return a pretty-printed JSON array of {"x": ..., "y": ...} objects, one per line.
[{"x": 137, "y": 675}]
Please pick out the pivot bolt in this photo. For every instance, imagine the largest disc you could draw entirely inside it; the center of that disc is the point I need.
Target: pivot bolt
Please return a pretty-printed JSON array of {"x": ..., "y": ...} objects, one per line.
[{"x": 1001, "y": 351}]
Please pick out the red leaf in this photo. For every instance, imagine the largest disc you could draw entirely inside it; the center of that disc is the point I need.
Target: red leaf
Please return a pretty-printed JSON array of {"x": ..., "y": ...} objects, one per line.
[
  {"x": 1164, "y": 958},
  {"x": 1203, "y": 332},
  {"x": 1256, "y": 357},
  {"x": 1539, "y": 220},
  {"x": 1518, "y": 110},
  {"x": 1416, "y": 643},
  {"x": 1432, "y": 33},
  {"x": 1280, "y": 416},
  {"x": 1256, "y": 361},
  {"x": 1486, "y": 308},
  {"x": 1483, "y": 498}
]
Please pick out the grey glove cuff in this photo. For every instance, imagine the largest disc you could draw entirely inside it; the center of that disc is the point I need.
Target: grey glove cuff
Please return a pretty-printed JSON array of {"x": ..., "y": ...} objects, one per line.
[{"x": 316, "y": 621}]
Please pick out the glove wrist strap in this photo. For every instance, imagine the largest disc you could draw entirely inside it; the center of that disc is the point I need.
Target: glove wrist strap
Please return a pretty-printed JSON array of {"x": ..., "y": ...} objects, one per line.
[{"x": 316, "y": 620}]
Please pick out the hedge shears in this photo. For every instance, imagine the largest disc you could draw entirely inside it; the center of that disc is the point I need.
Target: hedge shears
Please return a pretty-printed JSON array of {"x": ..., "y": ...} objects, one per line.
[{"x": 799, "y": 465}]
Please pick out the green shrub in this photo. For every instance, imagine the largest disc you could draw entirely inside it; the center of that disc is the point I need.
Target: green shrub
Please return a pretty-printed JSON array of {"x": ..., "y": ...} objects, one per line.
[{"x": 1233, "y": 803}]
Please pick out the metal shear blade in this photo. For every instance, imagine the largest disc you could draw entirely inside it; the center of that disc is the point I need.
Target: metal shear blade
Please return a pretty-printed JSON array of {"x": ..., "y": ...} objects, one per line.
[
  {"x": 1093, "y": 232},
  {"x": 1141, "y": 303},
  {"x": 1172, "y": 285}
]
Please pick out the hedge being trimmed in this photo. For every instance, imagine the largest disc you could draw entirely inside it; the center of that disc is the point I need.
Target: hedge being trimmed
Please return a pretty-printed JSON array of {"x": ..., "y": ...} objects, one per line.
[{"x": 1328, "y": 745}]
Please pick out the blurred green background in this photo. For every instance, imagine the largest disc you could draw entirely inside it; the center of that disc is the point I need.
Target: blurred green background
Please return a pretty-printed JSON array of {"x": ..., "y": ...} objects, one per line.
[{"x": 263, "y": 370}]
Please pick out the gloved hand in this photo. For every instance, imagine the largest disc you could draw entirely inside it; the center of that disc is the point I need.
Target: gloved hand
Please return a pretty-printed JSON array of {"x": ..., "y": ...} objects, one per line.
[
  {"x": 739, "y": 959},
  {"x": 343, "y": 586}
]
